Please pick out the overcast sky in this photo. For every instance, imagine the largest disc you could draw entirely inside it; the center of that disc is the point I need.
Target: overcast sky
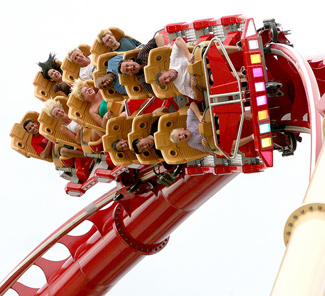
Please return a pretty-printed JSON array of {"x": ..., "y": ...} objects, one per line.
[{"x": 233, "y": 245}]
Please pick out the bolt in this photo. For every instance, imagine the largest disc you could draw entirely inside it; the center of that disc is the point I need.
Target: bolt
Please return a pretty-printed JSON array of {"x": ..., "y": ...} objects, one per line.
[
  {"x": 295, "y": 217},
  {"x": 288, "y": 233},
  {"x": 290, "y": 224},
  {"x": 319, "y": 207}
]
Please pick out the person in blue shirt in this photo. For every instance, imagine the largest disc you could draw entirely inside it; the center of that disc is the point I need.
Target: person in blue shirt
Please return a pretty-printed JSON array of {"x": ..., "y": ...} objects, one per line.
[{"x": 111, "y": 77}]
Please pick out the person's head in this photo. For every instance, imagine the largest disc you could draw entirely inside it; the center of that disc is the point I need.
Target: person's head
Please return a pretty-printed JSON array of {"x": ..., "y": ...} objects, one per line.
[
  {"x": 128, "y": 67},
  {"x": 76, "y": 56},
  {"x": 106, "y": 38},
  {"x": 31, "y": 127},
  {"x": 50, "y": 70},
  {"x": 164, "y": 78},
  {"x": 54, "y": 109},
  {"x": 104, "y": 81},
  {"x": 120, "y": 145},
  {"x": 180, "y": 135},
  {"x": 82, "y": 90},
  {"x": 141, "y": 145}
]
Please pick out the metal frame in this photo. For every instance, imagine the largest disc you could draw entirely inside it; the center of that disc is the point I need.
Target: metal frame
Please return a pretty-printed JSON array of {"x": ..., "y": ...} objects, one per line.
[{"x": 216, "y": 40}]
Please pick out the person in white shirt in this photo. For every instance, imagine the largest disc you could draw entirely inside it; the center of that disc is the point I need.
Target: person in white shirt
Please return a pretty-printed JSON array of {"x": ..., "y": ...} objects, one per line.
[{"x": 76, "y": 56}]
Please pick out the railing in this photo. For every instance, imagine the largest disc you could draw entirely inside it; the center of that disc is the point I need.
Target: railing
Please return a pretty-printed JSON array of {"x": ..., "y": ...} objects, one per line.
[{"x": 210, "y": 97}]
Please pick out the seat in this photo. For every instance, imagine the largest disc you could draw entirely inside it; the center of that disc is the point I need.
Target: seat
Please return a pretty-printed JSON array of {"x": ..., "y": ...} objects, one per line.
[
  {"x": 118, "y": 128},
  {"x": 71, "y": 70},
  {"x": 109, "y": 93},
  {"x": 43, "y": 87},
  {"x": 131, "y": 83},
  {"x": 21, "y": 139},
  {"x": 79, "y": 110},
  {"x": 159, "y": 60},
  {"x": 141, "y": 126},
  {"x": 175, "y": 153},
  {"x": 98, "y": 49},
  {"x": 50, "y": 127}
]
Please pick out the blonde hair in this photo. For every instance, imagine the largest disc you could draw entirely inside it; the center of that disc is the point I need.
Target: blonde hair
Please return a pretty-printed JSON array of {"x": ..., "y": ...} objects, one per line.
[
  {"x": 102, "y": 33},
  {"x": 173, "y": 133},
  {"x": 49, "y": 105},
  {"x": 76, "y": 88},
  {"x": 71, "y": 51}
]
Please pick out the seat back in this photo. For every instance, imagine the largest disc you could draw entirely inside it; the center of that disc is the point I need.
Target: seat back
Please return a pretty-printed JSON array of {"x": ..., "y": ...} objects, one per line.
[
  {"x": 98, "y": 49},
  {"x": 159, "y": 60},
  {"x": 141, "y": 127},
  {"x": 132, "y": 85},
  {"x": 79, "y": 110},
  {"x": 51, "y": 127},
  {"x": 21, "y": 139},
  {"x": 118, "y": 128},
  {"x": 43, "y": 87},
  {"x": 109, "y": 93},
  {"x": 71, "y": 70},
  {"x": 175, "y": 153}
]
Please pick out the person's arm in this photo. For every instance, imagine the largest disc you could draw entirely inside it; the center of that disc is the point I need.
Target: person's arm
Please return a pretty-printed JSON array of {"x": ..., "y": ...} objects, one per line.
[
  {"x": 160, "y": 40},
  {"x": 46, "y": 152},
  {"x": 196, "y": 111},
  {"x": 101, "y": 121},
  {"x": 198, "y": 95},
  {"x": 204, "y": 143},
  {"x": 183, "y": 47},
  {"x": 70, "y": 134}
]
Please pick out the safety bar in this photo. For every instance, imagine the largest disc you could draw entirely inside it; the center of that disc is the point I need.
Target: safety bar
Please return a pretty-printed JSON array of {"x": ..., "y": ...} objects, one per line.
[{"x": 217, "y": 41}]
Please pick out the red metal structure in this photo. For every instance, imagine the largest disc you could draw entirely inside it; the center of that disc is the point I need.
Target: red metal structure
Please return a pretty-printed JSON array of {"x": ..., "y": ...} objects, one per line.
[{"x": 150, "y": 201}]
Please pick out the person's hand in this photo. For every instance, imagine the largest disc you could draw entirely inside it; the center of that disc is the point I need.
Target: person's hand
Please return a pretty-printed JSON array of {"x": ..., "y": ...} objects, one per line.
[
  {"x": 204, "y": 141},
  {"x": 191, "y": 58},
  {"x": 108, "y": 115},
  {"x": 194, "y": 81}
]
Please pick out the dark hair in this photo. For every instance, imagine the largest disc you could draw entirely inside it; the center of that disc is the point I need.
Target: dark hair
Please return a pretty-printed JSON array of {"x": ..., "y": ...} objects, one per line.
[
  {"x": 114, "y": 145},
  {"x": 134, "y": 146},
  {"x": 119, "y": 66},
  {"x": 48, "y": 65},
  {"x": 157, "y": 79},
  {"x": 26, "y": 122}
]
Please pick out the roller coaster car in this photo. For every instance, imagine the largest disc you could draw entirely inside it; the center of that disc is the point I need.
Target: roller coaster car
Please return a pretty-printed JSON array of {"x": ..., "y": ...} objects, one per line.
[
  {"x": 226, "y": 97},
  {"x": 98, "y": 49},
  {"x": 280, "y": 92},
  {"x": 71, "y": 70}
]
